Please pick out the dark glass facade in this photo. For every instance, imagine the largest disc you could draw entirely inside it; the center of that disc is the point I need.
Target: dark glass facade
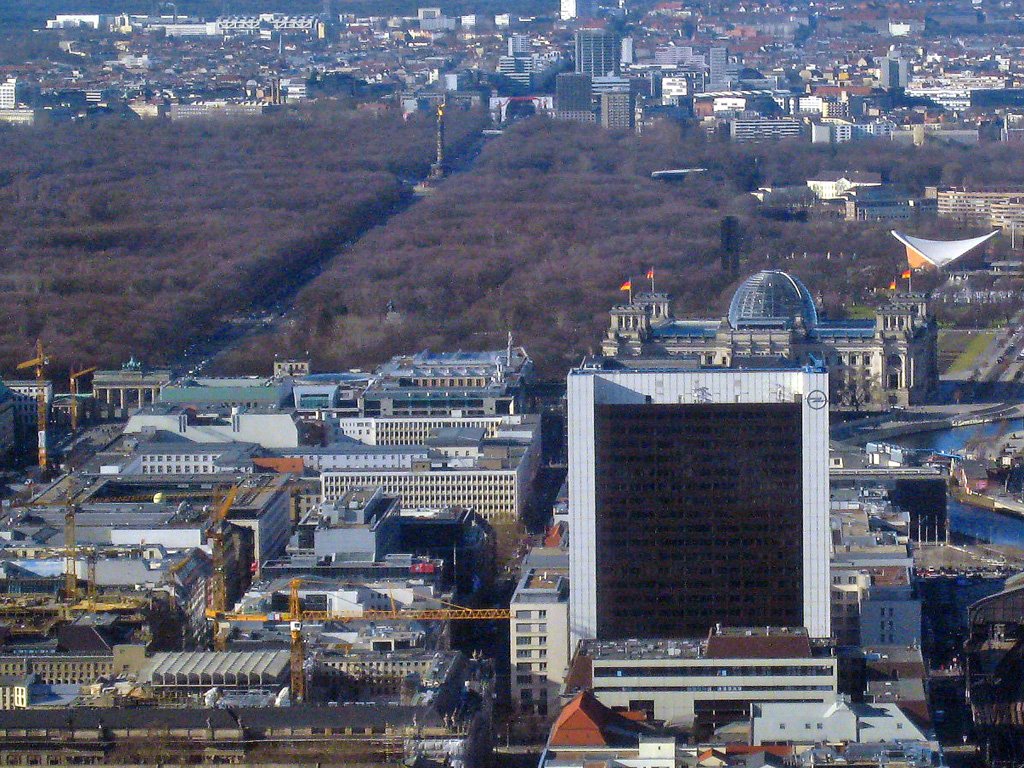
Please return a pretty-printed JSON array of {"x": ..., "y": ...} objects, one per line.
[{"x": 699, "y": 517}]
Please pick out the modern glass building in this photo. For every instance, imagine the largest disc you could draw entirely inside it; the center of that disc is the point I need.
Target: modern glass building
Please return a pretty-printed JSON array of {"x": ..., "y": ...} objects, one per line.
[{"x": 697, "y": 497}]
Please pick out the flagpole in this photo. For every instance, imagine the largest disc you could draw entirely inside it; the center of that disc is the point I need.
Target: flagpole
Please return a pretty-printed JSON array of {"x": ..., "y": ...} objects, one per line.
[
  {"x": 652, "y": 279},
  {"x": 631, "y": 292}
]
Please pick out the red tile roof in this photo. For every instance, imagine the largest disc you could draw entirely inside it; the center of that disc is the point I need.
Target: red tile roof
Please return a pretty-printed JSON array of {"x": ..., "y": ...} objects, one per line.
[{"x": 586, "y": 722}]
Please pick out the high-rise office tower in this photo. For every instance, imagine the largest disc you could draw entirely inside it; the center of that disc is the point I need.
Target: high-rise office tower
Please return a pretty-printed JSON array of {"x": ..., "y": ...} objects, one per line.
[
  {"x": 577, "y": 9},
  {"x": 617, "y": 108},
  {"x": 893, "y": 73},
  {"x": 519, "y": 45},
  {"x": 597, "y": 52},
  {"x": 572, "y": 92},
  {"x": 697, "y": 497},
  {"x": 718, "y": 70}
]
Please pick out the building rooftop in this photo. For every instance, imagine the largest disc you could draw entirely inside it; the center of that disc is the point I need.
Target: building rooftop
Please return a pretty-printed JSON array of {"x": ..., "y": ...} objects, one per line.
[{"x": 725, "y": 643}]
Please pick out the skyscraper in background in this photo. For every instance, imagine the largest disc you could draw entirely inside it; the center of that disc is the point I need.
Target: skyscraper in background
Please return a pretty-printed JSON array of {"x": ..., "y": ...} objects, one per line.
[
  {"x": 718, "y": 70},
  {"x": 577, "y": 9},
  {"x": 893, "y": 73},
  {"x": 617, "y": 109},
  {"x": 697, "y": 497},
  {"x": 572, "y": 92},
  {"x": 598, "y": 52}
]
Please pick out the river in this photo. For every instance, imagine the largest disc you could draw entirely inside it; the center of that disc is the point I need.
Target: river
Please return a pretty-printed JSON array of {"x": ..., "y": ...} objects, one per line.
[{"x": 968, "y": 521}]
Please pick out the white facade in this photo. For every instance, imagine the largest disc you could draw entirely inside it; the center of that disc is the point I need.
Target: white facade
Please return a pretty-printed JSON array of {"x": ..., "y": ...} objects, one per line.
[
  {"x": 539, "y": 641},
  {"x": 834, "y": 722},
  {"x": 588, "y": 388},
  {"x": 270, "y": 430},
  {"x": 495, "y": 494},
  {"x": 9, "y": 93},
  {"x": 676, "y": 677}
]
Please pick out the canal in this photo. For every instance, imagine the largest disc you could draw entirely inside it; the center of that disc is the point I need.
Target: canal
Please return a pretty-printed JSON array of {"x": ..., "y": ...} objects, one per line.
[{"x": 964, "y": 520}]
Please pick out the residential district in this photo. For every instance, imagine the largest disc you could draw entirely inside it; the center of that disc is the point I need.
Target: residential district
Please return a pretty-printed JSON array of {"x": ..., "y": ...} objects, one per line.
[{"x": 671, "y": 562}]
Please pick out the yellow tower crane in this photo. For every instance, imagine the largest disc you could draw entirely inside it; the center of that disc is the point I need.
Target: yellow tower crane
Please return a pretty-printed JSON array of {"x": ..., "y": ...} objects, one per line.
[
  {"x": 219, "y": 600},
  {"x": 297, "y": 615},
  {"x": 75, "y": 376},
  {"x": 39, "y": 363},
  {"x": 70, "y": 555},
  {"x": 298, "y": 645}
]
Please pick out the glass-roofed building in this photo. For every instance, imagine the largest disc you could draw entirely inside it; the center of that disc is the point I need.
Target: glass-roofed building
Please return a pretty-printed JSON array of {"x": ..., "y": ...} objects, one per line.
[{"x": 873, "y": 364}]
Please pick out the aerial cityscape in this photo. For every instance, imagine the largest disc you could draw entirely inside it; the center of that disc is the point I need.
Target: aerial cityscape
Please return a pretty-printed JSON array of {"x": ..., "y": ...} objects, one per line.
[{"x": 507, "y": 383}]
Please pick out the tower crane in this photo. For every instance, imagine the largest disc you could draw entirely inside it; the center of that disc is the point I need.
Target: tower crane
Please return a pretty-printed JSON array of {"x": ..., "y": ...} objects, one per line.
[
  {"x": 297, "y": 661},
  {"x": 215, "y": 535},
  {"x": 39, "y": 363},
  {"x": 75, "y": 376},
  {"x": 296, "y": 616},
  {"x": 70, "y": 555}
]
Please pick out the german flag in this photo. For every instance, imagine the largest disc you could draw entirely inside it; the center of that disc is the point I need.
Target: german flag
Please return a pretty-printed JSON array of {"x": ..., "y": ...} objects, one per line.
[
  {"x": 892, "y": 286},
  {"x": 650, "y": 273},
  {"x": 907, "y": 274},
  {"x": 626, "y": 286}
]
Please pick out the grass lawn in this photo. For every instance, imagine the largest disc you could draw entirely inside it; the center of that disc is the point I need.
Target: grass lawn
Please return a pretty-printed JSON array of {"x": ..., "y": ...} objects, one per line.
[
  {"x": 861, "y": 312},
  {"x": 970, "y": 346}
]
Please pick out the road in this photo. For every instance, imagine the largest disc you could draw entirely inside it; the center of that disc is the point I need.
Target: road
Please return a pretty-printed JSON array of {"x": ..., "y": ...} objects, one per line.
[{"x": 274, "y": 311}]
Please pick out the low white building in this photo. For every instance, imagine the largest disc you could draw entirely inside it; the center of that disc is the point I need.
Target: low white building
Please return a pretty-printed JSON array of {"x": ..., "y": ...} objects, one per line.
[
  {"x": 269, "y": 429},
  {"x": 713, "y": 681},
  {"x": 836, "y": 721}
]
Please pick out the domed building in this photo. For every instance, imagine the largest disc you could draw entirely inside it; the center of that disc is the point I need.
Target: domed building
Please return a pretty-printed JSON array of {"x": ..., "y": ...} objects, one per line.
[{"x": 873, "y": 364}]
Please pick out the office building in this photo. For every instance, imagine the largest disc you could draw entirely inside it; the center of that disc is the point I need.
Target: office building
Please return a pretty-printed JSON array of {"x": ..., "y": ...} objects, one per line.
[
  {"x": 577, "y": 9},
  {"x": 490, "y": 475},
  {"x": 519, "y": 45},
  {"x": 754, "y": 129},
  {"x": 598, "y": 52},
  {"x": 697, "y": 497},
  {"x": 873, "y": 364},
  {"x": 718, "y": 70},
  {"x": 572, "y": 92},
  {"x": 617, "y": 110},
  {"x": 450, "y": 384},
  {"x": 10, "y": 93},
  {"x": 706, "y": 683},
  {"x": 893, "y": 73},
  {"x": 996, "y": 207},
  {"x": 539, "y": 632}
]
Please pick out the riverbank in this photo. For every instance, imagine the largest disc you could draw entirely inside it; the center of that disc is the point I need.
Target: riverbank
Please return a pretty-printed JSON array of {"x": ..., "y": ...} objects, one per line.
[
  {"x": 922, "y": 420},
  {"x": 1000, "y": 504}
]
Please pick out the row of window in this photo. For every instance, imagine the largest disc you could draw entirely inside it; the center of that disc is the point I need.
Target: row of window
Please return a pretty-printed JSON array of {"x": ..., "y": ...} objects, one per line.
[{"x": 729, "y": 671}]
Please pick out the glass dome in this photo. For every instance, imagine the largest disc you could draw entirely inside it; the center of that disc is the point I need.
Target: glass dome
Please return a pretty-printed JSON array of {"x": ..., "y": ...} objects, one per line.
[{"x": 772, "y": 299}]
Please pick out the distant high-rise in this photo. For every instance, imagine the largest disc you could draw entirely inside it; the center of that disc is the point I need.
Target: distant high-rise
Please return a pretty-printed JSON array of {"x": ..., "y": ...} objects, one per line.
[
  {"x": 572, "y": 92},
  {"x": 617, "y": 108},
  {"x": 893, "y": 73},
  {"x": 697, "y": 497},
  {"x": 519, "y": 45},
  {"x": 718, "y": 70},
  {"x": 598, "y": 52},
  {"x": 577, "y": 9},
  {"x": 9, "y": 93}
]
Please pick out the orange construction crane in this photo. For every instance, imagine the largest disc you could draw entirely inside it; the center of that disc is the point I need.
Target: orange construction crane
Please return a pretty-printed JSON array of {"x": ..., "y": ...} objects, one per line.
[
  {"x": 215, "y": 535},
  {"x": 39, "y": 363},
  {"x": 75, "y": 376}
]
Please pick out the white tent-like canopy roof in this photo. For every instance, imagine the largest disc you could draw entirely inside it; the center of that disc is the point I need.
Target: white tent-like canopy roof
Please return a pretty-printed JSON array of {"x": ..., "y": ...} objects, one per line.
[{"x": 937, "y": 253}]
